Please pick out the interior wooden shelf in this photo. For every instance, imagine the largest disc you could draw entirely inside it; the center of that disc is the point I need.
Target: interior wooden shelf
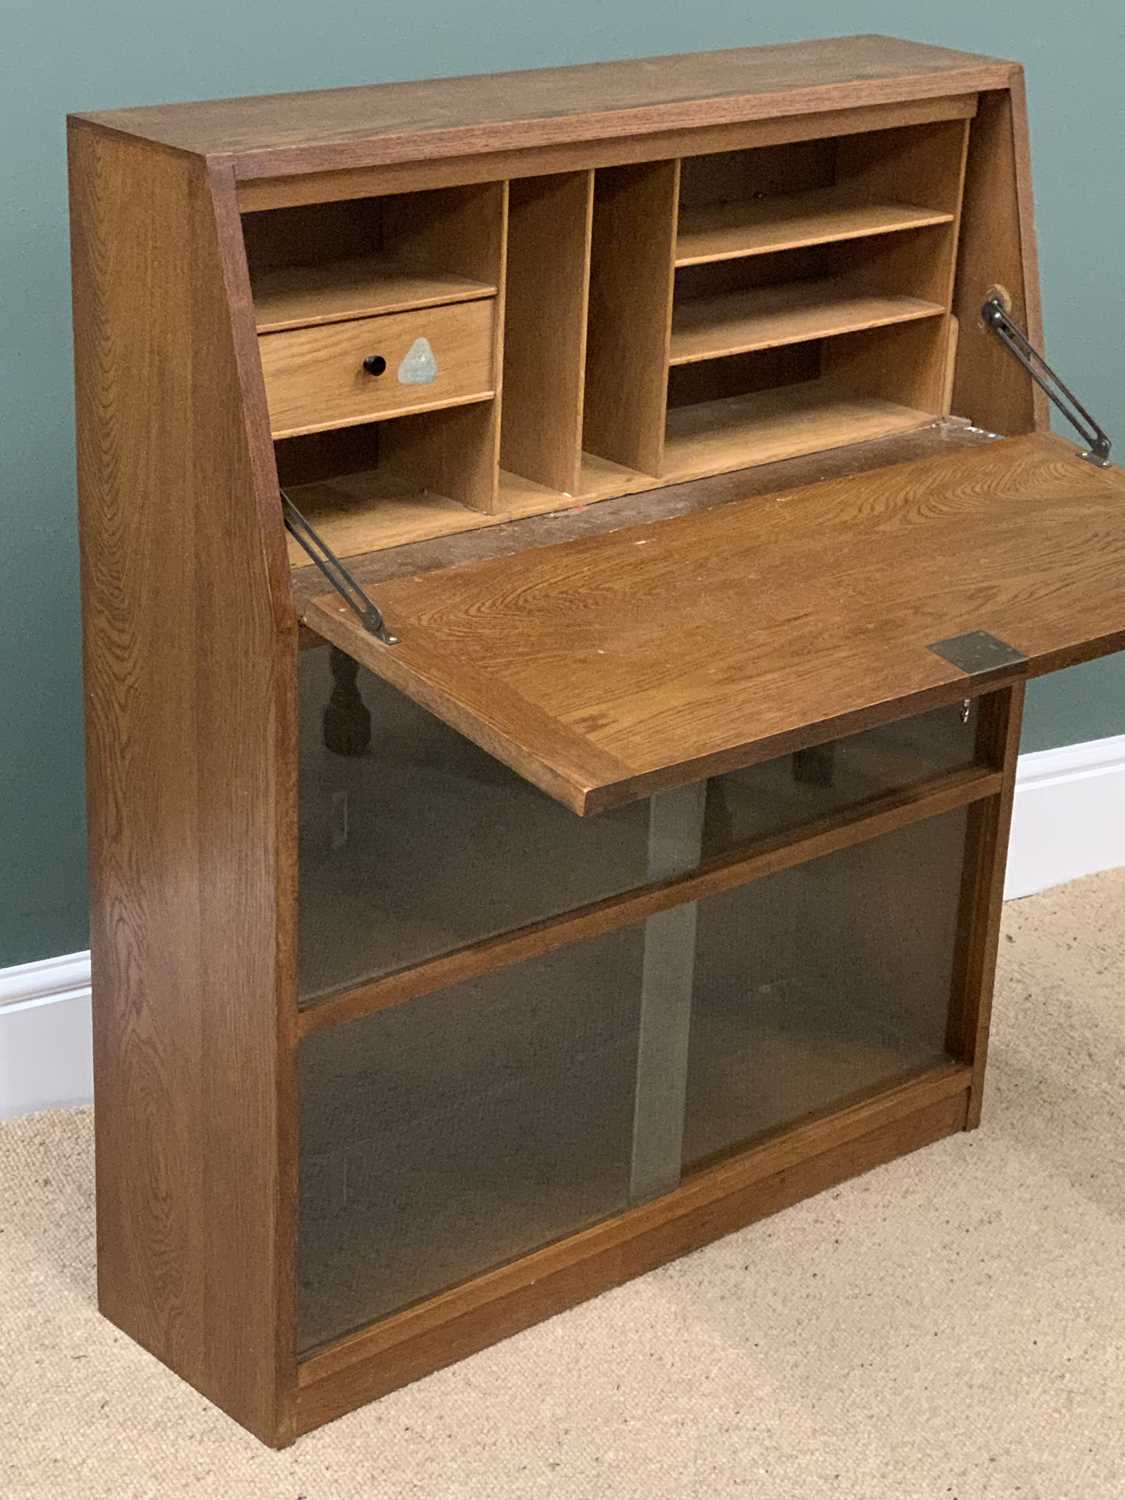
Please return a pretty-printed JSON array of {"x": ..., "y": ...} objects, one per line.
[
  {"x": 380, "y": 508},
  {"x": 333, "y": 292},
  {"x": 598, "y": 479},
  {"x": 726, "y": 231},
  {"x": 767, "y": 317},
  {"x": 714, "y": 437}
]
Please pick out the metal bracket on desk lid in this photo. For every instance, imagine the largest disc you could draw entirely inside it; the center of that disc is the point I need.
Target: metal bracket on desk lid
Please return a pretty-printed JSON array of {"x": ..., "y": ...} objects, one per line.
[
  {"x": 349, "y": 590},
  {"x": 997, "y": 320},
  {"x": 979, "y": 654}
]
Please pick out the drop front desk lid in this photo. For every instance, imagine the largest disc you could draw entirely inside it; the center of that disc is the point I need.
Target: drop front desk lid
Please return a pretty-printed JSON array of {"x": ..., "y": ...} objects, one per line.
[{"x": 608, "y": 668}]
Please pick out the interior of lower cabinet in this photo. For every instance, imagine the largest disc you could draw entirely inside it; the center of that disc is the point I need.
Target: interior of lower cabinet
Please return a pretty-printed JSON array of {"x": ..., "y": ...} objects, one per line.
[
  {"x": 447, "y": 1134},
  {"x": 652, "y": 323}
]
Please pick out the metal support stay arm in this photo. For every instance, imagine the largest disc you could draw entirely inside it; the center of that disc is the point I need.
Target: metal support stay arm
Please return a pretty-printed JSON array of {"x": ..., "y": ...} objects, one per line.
[
  {"x": 334, "y": 570},
  {"x": 1014, "y": 339}
]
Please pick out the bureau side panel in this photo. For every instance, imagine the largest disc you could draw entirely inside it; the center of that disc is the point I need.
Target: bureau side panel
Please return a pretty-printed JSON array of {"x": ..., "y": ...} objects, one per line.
[
  {"x": 998, "y": 253},
  {"x": 188, "y": 661}
]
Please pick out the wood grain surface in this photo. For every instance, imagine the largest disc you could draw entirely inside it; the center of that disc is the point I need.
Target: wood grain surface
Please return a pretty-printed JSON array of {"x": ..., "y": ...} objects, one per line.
[
  {"x": 530, "y": 515},
  {"x": 315, "y": 377},
  {"x": 280, "y": 133},
  {"x": 631, "y": 283},
  {"x": 728, "y": 230},
  {"x": 376, "y": 508},
  {"x": 603, "y": 669},
  {"x": 333, "y": 292},
  {"x": 997, "y": 253},
  {"x": 982, "y": 897},
  {"x": 545, "y": 322},
  {"x": 189, "y": 653},
  {"x": 333, "y": 184},
  {"x": 764, "y": 426},
  {"x": 770, "y": 316},
  {"x": 543, "y": 525}
]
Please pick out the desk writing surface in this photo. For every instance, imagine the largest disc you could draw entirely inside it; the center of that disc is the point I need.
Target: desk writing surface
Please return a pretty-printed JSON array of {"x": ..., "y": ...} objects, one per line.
[{"x": 607, "y": 668}]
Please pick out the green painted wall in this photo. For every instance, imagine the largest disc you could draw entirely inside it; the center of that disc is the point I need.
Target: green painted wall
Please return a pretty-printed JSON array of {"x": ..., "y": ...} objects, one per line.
[{"x": 62, "y": 56}]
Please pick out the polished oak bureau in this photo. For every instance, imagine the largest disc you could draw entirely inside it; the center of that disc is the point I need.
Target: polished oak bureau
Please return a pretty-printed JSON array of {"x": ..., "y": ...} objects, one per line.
[{"x": 562, "y": 554}]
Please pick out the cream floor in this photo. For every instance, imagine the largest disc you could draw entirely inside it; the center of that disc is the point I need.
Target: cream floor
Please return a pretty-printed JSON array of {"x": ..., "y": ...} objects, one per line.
[{"x": 951, "y": 1326}]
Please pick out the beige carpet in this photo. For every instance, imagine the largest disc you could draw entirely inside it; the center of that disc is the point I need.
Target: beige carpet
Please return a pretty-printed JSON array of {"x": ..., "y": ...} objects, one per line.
[{"x": 951, "y": 1326}]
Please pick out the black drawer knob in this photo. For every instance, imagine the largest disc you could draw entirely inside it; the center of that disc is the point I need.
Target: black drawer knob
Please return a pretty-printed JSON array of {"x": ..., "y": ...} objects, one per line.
[{"x": 374, "y": 364}]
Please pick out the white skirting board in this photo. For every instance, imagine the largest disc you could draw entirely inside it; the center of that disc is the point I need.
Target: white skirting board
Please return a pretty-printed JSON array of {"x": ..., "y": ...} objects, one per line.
[
  {"x": 45, "y": 1049},
  {"x": 1069, "y": 816},
  {"x": 1069, "y": 821}
]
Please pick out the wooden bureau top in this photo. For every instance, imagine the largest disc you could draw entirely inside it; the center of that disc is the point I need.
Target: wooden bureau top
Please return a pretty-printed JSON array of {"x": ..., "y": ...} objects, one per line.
[{"x": 393, "y": 122}]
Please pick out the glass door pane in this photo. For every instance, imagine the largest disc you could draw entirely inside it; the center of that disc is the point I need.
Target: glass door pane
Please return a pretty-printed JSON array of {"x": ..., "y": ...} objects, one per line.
[
  {"x": 441, "y": 1137},
  {"x": 448, "y": 1134},
  {"x": 822, "y": 982},
  {"x": 423, "y": 843}
]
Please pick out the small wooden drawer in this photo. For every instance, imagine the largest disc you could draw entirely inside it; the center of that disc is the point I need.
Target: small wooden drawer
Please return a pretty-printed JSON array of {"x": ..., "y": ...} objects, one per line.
[{"x": 317, "y": 378}]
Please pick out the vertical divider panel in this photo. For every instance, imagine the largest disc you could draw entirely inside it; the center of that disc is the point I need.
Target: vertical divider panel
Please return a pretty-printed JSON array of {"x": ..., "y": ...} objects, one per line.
[
  {"x": 453, "y": 451},
  {"x": 499, "y": 324},
  {"x": 632, "y": 269},
  {"x": 548, "y": 279}
]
